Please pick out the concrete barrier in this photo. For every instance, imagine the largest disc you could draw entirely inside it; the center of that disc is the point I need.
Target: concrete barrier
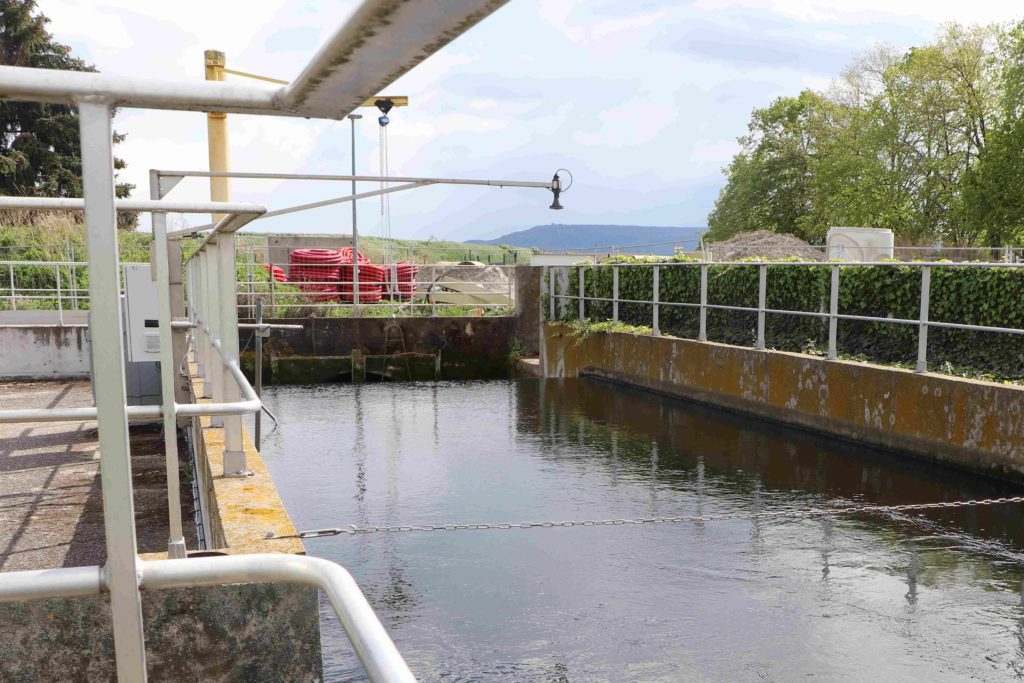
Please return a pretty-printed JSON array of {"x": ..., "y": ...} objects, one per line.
[
  {"x": 966, "y": 423},
  {"x": 43, "y": 352}
]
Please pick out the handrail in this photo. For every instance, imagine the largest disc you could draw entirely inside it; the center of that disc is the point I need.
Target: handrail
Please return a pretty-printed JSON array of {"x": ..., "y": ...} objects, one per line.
[
  {"x": 371, "y": 642},
  {"x": 250, "y": 404}
]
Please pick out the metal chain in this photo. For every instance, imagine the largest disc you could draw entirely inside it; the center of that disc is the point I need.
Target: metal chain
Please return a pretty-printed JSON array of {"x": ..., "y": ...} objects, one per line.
[{"x": 352, "y": 529}]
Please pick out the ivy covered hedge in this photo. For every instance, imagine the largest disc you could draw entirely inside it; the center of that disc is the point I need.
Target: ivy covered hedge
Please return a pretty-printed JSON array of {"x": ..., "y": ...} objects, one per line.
[{"x": 979, "y": 296}]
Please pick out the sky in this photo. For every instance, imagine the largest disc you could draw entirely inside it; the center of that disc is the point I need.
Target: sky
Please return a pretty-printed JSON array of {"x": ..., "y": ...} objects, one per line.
[{"x": 641, "y": 100}]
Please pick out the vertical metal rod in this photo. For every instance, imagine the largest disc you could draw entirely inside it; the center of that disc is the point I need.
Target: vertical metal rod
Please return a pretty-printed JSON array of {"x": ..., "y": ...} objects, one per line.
[
  {"x": 615, "y": 293},
  {"x": 355, "y": 229},
  {"x": 234, "y": 452},
  {"x": 655, "y": 295},
  {"x": 258, "y": 371},
  {"x": 10, "y": 276},
  {"x": 176, "y": 539},
  {"x": 60, "y": 307},
  {"x": 922, "y": 328},
  {"x": 551, "y": 293},
  {"x": 73, "y": 272},
  {"x": 214, "y": 367},
  {"x": 109, "y": 388},
  {"x": 273, "y": 293},
  {"x": 582, "y": 293},
  {"x": 833, "y": 311},
  {"x": 195, "y": 298},
  {"x": 762, "y": 287},
  {"x": 179, "y": 345},
  {"x": 702, "y": 332}
]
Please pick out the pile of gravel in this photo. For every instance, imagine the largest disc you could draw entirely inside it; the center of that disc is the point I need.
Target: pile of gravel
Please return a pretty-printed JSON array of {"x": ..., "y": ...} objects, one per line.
[{"x": 763, "y": 244}]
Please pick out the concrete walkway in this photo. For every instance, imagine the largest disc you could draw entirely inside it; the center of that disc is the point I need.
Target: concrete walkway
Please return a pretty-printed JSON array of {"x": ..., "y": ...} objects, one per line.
[{"x": 51, "y": 510}]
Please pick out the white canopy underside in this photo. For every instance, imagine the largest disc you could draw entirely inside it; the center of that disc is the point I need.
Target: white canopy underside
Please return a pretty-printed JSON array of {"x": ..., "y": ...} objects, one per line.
[{"x": 380, "y": 42}]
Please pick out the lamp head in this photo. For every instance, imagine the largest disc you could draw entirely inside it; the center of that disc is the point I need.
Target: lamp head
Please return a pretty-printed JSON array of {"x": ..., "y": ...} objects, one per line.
[{"x": 556, "y": 189}]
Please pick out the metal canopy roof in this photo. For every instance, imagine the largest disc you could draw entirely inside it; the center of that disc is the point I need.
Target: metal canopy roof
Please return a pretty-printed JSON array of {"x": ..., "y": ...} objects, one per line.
[
  {"x": 383, "y": 40},
  {"x": 380, "y": 42}
]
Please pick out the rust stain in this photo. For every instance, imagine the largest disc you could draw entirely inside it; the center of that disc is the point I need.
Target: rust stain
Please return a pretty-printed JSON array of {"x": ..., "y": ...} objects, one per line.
[{"x": 975, "y": 424}]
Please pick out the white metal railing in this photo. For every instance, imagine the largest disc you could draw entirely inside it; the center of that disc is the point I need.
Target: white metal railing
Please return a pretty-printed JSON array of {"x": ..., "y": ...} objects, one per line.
[
  {"x": 214, "y": 319},
  {"x": 449, "y": 291},
  {"x": 454, "y": 292},
  {"x": 922, "y": 322}
]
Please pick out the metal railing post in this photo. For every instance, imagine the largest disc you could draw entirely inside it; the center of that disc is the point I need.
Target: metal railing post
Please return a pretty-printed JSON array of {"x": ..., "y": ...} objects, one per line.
[
  {"x": 922, "y": 329},
  {"x": 179, "y": 345},
  {"x": 273, "y": 293},
  {"x": 655, "y": 297},
  {"x": 215, "y": 357},
  {"x": 551, "y": 293},
  {"x": 702, "y": 332},
  {"x": 615, "y": 294},
  {"x": 833, "y": 311},
  {"x": 108, "y": 383},
  {"x": 10, "y": 275},
  {"x": 762, "y": 286},
  {"x": 582, "y": 295},
  {"x": 60, "y": 307},
  {"x": 258, "y": 371},
  {"x": 234, "y": 453},
  {"x": 175, "y": 540},
  {"x": 201, "y": 338}
]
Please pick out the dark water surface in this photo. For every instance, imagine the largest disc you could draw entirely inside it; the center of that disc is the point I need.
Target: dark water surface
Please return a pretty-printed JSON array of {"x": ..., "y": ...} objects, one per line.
[{"x": 862, "y": 598}]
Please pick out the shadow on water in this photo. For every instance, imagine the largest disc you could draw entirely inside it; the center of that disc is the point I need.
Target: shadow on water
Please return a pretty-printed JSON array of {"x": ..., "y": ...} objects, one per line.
[{"x": 742, "y": 454}]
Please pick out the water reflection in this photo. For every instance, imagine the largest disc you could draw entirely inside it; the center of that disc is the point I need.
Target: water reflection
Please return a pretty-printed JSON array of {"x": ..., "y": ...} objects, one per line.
[{"x": 933, "y": 596}]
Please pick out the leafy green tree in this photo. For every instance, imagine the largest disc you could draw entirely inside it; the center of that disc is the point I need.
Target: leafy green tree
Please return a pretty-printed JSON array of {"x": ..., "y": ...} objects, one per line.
[
  {"x": 993, "y": 199},
  {"x": 905, "y": 141},
  {"x": 40, "y": 153}
]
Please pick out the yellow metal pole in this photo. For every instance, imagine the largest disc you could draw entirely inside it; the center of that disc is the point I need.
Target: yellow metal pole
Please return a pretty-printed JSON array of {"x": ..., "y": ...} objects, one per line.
[{"x": 217, "y": 135}]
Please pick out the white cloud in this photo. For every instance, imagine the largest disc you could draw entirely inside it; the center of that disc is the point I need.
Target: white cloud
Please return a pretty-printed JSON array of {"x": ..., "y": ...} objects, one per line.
[{"x": 541, "y": 84}]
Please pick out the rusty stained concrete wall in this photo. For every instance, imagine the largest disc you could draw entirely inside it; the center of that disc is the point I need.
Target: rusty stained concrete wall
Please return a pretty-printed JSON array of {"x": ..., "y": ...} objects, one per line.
[
  {"x": 44, "y": 352},
  {"x": 965, "y": 423}
]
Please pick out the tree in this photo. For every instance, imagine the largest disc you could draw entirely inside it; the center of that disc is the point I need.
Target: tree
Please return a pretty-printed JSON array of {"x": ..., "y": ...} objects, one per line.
[
  {"x": 40, "y": 153},
  {"x": 993, "y": 199},
  {"x": 769, "y": 180},
  {"x": 908, "y": 141}
]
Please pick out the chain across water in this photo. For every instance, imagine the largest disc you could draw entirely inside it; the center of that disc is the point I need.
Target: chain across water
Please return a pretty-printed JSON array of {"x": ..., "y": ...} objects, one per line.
[{"x": 352, "y": 529}]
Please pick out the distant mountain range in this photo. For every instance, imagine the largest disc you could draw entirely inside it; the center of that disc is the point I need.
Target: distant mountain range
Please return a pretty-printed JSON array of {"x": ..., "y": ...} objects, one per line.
[{"x": 641, "y": 239}]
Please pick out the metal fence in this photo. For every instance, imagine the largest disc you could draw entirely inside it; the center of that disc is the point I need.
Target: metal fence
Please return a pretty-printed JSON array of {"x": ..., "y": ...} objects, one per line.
[
  {"x": 437, "y": 290},
  {"x": 452, "y": 291},
  {"x": 558, "y": 296}
]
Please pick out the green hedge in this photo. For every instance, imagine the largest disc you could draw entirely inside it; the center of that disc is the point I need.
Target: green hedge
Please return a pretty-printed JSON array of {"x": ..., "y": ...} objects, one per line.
[{"x": 992, "y": 297}]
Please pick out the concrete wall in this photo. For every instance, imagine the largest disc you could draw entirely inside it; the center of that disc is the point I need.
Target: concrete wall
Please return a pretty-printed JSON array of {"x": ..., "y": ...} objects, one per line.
[
  {"x": 216, "y": 633},
  {"x": 43, "y": 352},
  {"x": 966, "y": 423},
  {"x": 469, "y": 347},
  {"x": 528, "y": 291}
]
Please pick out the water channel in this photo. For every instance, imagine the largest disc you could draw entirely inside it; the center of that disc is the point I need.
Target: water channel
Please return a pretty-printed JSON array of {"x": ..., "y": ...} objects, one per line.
[{"x": 933, "y": 596}]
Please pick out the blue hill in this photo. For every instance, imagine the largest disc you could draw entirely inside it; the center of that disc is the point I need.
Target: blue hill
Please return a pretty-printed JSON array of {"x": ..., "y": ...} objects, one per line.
[{"x": 641, "y": 239}]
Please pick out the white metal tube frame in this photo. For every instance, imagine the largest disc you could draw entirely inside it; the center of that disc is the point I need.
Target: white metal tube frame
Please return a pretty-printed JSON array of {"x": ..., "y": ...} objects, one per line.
[
  {"x": 169, "y": 179},
  {"x": 375, "y": 649},
  {"x": 832, "y": 316}
]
